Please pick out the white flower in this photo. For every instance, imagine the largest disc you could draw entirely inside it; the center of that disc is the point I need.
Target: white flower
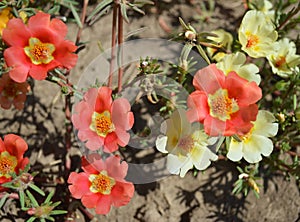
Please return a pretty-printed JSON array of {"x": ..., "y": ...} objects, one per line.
[
  {"x": 185, "y": 144},
  {"x": 284, "y": 59},
  {"x": 257, "y": 34},
  {"x": 236, "y": 62},
  {"x": 264, "y": 6},
  {"x": 256, "y": 142},
  {"x": 224, "y": 39}
]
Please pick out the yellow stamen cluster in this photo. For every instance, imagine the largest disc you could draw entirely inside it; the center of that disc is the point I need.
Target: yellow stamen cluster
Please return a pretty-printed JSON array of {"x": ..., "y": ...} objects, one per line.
[{"x": 101, "y": 183}]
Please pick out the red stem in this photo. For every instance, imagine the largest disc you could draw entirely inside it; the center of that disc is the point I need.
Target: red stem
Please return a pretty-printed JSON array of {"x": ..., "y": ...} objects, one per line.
[
  {"x": 113, "y": 44},
  {"x": 120, "y": 44}
]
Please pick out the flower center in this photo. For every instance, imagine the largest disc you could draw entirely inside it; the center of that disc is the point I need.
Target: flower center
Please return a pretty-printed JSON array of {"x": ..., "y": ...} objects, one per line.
[
  {"x": 39, "y": 52},
  {"x": 101, "y": 123},
  {"x": 221, "y": 106},
  {"x": 279, "y": 62},
  {"x": 252, "y": 40},
  {"x": 101, "y": 183},
  {"x": 8, "y": 164},
  {"x": 186, "y": 144}
]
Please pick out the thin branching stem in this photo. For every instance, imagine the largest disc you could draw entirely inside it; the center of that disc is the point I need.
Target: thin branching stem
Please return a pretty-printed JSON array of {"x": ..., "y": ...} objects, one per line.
[
  {"x": 113, "y": 44},
  {"x": 120, "y": 47}
]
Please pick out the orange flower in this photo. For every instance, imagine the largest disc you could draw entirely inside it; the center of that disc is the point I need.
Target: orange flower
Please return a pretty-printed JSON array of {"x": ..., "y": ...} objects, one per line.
[
  {"x": 37, "y": 47},
  {"x": 12, "y": 150},
  {"x": 224, "y": 104},
  {"x": 12, "y": 92},
  {"x": 102, "y": 184}
]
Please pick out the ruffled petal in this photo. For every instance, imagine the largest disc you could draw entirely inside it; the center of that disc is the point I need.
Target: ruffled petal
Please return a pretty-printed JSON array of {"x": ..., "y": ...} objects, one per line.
[
  {"x": 243, "y": 91},
  {"x": 91, "y": 200},
  {"x": 161, "y": 143},
  {"x": 198, "y": 106},
  {"x": 121, "y": 115},
  {"x": 209, "y": 79},
  {"x": 103, "y": 204},
  {"x": 235, "y": 152},
  {"x": 187, "y": 165},
  {"x": 18, "y": 61},
  {"x": 123, "y": 137},
  {"x": 93, "y": 163},
  {"x": 121, "y": 193},
  {"x": 38, "y": 72},
  {"x": 111, "y": 143},
  {"x": 82, "y": 116},
  {"x": 104, "y": 100},
  {"x": 254, "y": 147},
  {"x": 15, "y": 145},
  {"x": 201, "y": 157},
  {"x": 115, "y": 168},
  {"x": 16, "y": 33},
  {"x": 80, "y": 184},
  {"x": 64, "y": 54},
  {"x": 173, "y": 164}
]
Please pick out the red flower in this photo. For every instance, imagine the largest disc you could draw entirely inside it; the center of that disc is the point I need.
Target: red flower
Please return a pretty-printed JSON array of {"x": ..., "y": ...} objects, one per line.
[
  {"x": 224, "y": 104},
  {"x": 102, "y": 121},
  {"x": 102, "y": 184},
  {"x": 37, "y": 47},
  {"x": 12, "y": 150},
  {"x": 12, "y": 92}
]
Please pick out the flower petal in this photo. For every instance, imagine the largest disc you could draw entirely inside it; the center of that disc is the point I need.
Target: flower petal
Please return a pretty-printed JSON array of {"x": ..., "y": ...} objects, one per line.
[
  {"x": 256, "y": 146},
  {"x": 103, "y": 204},
  {"x": 235, "y": 152},
  {"x": 209, "y": 79},
  {"x": 121, "y": 115},
  {"x": 80, "y": 184},
  {"x": 121, "y": 193},
  {"x": 18, "y": 61},
  {"x": 198, "y": 106},
  {"x": 161, "y": 143},
  {"x": 115, "y": 168},
  {"x": 104, "y": 100},
  {"x": 16, "y": 33}
]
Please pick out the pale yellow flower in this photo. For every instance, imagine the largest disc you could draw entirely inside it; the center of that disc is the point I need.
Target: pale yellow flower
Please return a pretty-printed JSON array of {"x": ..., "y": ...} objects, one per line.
[
  {"x": 185, "y": 144},
  {"x": 257, "y": 34},
  {"x": 264, "y": 6},
  {"x": 256, "y": 142},
  {"x": 224, "y": 40},
  {"x": 236, "y": 62},
  {"x": 284, "y": 59}
]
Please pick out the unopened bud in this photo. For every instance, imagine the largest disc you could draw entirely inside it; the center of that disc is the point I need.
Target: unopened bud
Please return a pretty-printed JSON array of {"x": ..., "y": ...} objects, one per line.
[{"x": 190, "y": 35}]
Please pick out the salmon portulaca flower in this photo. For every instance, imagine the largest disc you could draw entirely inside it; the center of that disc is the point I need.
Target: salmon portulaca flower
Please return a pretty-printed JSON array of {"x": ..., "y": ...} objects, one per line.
[
  {"x": 38, "y": 47},
  {"x": 12, "y": 92},
  {"x": 102, "y": 122},
  {"x": 102, "y": 184},
  {"x": 12, "y": 149},
  {"x": 186, "y": 144},
  {"x": 224, "y": 104},
  {"x": 257, "y": 34},
  {"x": 256, "y": 142}
]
